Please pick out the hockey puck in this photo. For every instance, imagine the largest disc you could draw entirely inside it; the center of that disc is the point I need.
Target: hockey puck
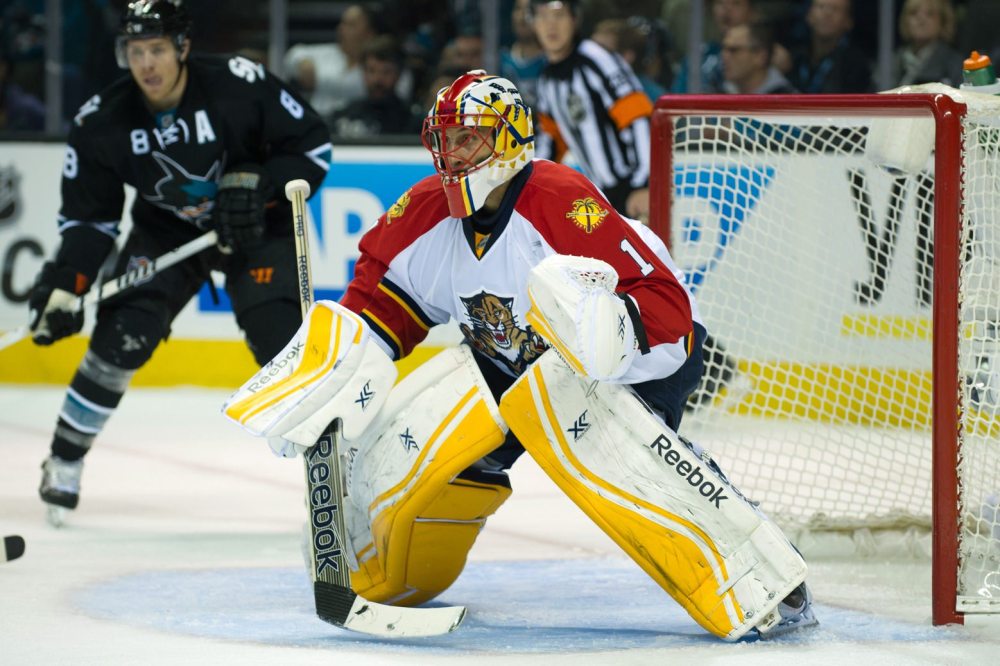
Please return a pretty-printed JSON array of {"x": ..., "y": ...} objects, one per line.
[{"x": 13, "y": 547}]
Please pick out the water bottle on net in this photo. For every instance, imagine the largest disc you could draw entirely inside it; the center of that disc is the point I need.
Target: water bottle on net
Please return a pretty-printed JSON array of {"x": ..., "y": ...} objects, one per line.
[{"x": 978, "y": 75}]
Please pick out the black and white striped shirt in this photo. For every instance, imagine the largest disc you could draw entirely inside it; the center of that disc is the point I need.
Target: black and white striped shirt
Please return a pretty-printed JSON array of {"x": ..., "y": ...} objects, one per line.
[{"x": 592, "y": 104}]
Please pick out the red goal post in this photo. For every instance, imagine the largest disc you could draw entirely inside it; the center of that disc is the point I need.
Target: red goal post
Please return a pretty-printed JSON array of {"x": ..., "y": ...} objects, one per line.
[{"x": 849, "y": 374}]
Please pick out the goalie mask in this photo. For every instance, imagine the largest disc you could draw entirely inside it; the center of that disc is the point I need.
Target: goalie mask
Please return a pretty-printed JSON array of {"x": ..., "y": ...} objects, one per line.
[
  {"x": 480, "y": 135},
  {"x": 145, "y": 19}
]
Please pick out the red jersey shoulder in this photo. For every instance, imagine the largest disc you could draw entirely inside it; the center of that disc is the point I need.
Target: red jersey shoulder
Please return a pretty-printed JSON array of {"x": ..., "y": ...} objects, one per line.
[
  {"x": 416, "y": 211},
  {"x": 561, "y": 200},
  {"x": 422, "y": 206}
]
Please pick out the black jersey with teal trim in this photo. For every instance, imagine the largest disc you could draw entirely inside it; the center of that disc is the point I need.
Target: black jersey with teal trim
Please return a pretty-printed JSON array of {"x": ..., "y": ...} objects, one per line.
[{"x": 233, "y": 111}]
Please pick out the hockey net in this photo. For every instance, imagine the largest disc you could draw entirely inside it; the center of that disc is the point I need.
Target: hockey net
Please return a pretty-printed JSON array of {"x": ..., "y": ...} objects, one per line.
[{"x": 852, "y": 383}]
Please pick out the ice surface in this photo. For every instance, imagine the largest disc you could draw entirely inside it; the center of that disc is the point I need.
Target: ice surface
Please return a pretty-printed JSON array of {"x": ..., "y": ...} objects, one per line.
[{"x": 186, "y": 549}]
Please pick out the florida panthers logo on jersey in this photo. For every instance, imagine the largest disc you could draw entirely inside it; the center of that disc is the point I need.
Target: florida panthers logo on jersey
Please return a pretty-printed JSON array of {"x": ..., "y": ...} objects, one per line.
[
  {"x": 495, "y": 332},
  {"x": 397, "y": 209},
  {"x": 188, "y": 196},
  {"x": 587, "y": 214}
]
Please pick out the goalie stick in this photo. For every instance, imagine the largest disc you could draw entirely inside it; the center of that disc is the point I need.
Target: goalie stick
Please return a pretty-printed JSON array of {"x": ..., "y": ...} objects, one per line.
[
  {"x": 127, "y": 279},
  {"x": 336, "y": 602},
  {"x": 13, "y": 548}
]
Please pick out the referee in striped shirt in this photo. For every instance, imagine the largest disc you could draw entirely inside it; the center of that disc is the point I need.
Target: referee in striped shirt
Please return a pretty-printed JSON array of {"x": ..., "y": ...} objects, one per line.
[{"x": 591, "y": 103}]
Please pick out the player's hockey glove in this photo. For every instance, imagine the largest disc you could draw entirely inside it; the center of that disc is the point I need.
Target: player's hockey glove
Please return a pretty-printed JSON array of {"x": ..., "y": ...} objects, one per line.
[
  {"x": 239, "y": 208},
  {"x": 54, "y": 303}
]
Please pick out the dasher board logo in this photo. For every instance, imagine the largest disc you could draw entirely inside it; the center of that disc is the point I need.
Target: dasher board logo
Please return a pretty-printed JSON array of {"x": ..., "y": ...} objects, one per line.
[{"x": 9, "y": 199}]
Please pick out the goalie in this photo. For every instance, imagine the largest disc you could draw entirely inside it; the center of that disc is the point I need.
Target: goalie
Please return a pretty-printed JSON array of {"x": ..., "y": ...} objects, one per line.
[{"x": 581, "y": 347}]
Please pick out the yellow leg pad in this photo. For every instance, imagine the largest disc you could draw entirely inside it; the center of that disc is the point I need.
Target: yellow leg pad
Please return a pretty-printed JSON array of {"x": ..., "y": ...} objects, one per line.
[
  {"x": 658, "y": 499},
  {"x": 674, "y": 561},
  {"x": 426, "y": 553},
  {"x": 422, "y": 519}
]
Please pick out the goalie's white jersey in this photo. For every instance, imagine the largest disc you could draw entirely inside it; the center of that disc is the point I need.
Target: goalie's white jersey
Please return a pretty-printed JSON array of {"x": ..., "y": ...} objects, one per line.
[{"x": 420, "y": 267}]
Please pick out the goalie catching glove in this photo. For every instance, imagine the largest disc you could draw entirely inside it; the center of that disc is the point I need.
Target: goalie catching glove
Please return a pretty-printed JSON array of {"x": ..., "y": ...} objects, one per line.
[
  {"x": 575, "y": 308},
  {"x": 329, "y": 370},
  {"x": 239, "y": 208}
]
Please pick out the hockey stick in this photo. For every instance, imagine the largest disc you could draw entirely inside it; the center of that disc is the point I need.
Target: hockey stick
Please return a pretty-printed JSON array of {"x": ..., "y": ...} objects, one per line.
[
  {"x": 336, "y": 602},
  {"x": 13, "y": 548},
  {"x": 127, "y": 279}
]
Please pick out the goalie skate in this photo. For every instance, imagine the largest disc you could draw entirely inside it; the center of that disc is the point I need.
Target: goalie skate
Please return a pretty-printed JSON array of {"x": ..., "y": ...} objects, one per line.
[{"x": 794, "y": 612}]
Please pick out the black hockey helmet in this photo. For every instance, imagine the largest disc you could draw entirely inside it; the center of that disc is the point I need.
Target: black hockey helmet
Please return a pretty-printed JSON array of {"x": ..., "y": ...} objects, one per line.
[{"x": 143, "y": 19}]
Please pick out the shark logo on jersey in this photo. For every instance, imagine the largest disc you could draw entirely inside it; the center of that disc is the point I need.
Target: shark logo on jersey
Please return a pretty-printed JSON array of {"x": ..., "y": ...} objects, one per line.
[
  {"x": 188, "y": 196},
  {"x": 495, "y": 332}
]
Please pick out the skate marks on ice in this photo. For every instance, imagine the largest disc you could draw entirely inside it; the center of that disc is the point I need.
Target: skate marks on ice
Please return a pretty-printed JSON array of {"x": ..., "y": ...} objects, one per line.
[{"x": 514, "y": 607}]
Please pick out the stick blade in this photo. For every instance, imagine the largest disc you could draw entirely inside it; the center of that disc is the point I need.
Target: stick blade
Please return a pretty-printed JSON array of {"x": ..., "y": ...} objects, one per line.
[
  {"x": 13, "y": 547},
  {"x": 343, "y": 608}
]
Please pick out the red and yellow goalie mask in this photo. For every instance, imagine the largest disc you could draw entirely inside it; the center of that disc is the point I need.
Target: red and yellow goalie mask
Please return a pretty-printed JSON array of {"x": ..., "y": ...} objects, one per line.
[{"x": 480, "y": 135}]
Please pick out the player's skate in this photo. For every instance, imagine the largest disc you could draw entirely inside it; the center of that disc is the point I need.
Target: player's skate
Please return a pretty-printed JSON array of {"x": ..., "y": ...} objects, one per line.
[
  {"x": 60, "y": 488},
  {"x": 796, "y": 613}
]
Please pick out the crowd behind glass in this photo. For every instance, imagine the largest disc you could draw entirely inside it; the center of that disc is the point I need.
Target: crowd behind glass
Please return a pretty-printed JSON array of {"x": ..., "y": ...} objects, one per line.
[{"x": 370, "y": 69}]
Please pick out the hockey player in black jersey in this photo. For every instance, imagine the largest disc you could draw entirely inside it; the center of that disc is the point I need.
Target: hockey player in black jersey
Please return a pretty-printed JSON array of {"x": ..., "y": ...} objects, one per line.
[{"x": 207, "y": 143}]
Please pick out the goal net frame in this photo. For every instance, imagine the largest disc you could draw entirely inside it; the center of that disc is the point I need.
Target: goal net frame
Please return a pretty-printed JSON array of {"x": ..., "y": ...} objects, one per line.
[{"x": 947, "y": 115}]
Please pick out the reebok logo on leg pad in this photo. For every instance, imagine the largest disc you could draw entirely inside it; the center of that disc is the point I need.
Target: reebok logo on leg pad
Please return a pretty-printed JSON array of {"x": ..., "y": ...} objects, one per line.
[{"x": 706, "y": 487}]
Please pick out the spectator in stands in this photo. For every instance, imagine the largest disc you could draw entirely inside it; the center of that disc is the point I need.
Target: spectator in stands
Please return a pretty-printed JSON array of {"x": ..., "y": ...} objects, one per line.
[
  {"x": 329, "y": 75},
  {"x": 442, "y": 78},
  {"x": 829, "y": 62},
  {"x": 644, "y": 44},
  {"x": 464, "y": 51},
  {"x": 380, "y": 111},
  {"x": 746, "y": 62},
  {"x": 725, "y": 14},
  {"x": 926, "y": 28},
  {"x": 20, "y": 111},
  {"x": 523, "y": 61},
  {"x": 423, "y": 28},
  {"x": 591, "y": 104}
]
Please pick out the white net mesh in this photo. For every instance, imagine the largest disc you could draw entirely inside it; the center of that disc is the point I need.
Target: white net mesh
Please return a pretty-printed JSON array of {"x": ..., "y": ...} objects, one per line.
[
  {"x": 979, "y": 357},
  {"x": 813, "y": 269}
]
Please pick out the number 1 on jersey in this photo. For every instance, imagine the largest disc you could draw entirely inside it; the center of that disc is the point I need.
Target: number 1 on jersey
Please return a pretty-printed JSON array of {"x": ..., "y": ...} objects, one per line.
[{"x": 644, "y": 266}]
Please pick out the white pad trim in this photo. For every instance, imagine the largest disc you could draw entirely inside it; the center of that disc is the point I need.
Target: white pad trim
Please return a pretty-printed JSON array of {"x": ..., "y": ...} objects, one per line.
[
  {"x": 575, "y": 308},
  {"x": 328, "y": 370}
]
